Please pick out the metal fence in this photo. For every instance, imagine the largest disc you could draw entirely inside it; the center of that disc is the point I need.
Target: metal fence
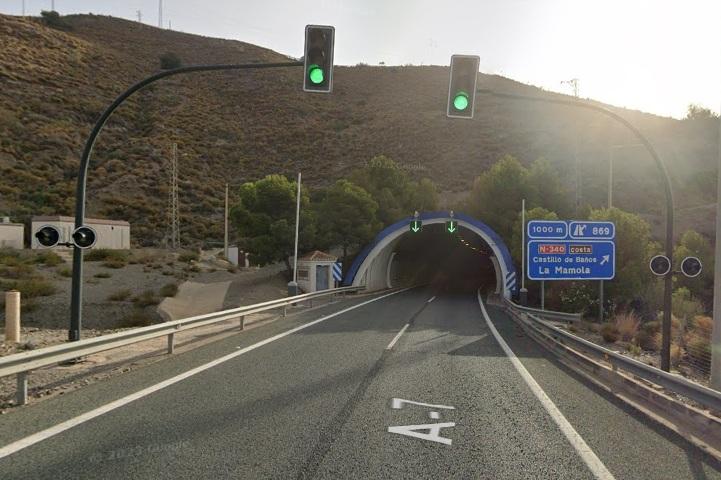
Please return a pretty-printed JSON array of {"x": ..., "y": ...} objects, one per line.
[
  {"x": 704, "y": 396},
  {"x": 21, "y": 364}
]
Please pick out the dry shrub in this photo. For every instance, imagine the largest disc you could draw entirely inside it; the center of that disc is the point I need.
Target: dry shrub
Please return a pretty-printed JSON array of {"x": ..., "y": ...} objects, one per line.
[
  {"x": 609, "y": 332},
  {"x": 698, "y": 344},
  {"x": 703, "y": 323},
  {"x": 627, "y": 324}
]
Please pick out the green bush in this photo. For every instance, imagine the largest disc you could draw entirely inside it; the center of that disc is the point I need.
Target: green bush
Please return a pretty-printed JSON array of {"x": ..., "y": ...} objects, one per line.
[
  {"x": 648, "y": 336},
  {"x": 169, "y": 290},
  {"x": 188, "y": 257},
  {"x": 609, "y": 332},
  {"x": 66, "y": 272},
  {"x": 120, "y": 295},
  {"x": 34, "y": 287},
  {"x": 169, "y": 61},
  {"x": 104, "y": 254},
  {"x": 115, "y": 263},
  {"x": 21, "y": 270},
  {"x": 53, "y": 20},
  {"x": 50, "y": 259},
  {"x": 137, "y": 318}
]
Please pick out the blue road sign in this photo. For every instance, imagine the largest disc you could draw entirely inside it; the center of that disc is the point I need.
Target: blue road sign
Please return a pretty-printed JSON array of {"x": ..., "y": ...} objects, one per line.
[
  {"x": 547, "y": 229},
  {"x": 571, "y": 250},
  {"x": 571, "y": 260},
  {"x": 338, "y": 271},
  {"x": 591, "y": 230}
]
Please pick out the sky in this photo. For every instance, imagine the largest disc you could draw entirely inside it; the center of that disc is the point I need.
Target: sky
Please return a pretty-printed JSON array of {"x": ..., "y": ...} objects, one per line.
[{"x": 653, "y": 55}]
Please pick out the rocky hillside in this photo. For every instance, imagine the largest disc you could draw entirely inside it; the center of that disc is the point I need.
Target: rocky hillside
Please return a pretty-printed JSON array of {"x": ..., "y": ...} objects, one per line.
[{"x": 238, "y": 126}]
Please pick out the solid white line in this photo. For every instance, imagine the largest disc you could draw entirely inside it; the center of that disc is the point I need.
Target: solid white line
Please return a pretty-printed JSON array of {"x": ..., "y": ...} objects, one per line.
[
  {"x": 73, "y": 422},
  {"x": 597, "y": 467},
  {"x": 431, "y": 299},
  {"x": 398, "y": 335}
]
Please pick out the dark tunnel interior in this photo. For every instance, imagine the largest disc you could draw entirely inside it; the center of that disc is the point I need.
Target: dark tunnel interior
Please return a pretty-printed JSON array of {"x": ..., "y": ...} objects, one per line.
[{"x": 456, "y": 262}]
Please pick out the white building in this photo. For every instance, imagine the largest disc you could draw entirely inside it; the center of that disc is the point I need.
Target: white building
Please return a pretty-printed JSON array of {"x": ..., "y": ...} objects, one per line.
[
  {"x": 12, "y": 235},
  {"x": 112, "y": 234},
  {"x": 315, "y": 271}
]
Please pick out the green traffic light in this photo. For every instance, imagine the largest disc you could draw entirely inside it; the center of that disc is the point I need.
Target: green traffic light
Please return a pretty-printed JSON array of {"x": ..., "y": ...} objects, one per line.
[
  {"x": 315, "y": 73},
  {"x": 460, "y": 101}
]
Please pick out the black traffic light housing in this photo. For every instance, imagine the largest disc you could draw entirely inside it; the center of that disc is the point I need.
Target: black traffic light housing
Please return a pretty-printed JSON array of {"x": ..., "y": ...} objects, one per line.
[
  {"x": 462, "y": 86},
  {"x": 318, "y": 68},
  {"x": 691, "y": 267},
  {"x": 48, "y": 236},
  {"x": 84, "y": 237}
]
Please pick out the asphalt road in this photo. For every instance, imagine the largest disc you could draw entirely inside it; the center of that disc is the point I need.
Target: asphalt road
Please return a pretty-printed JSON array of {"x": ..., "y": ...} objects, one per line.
[{"x": 318, "y": 402}]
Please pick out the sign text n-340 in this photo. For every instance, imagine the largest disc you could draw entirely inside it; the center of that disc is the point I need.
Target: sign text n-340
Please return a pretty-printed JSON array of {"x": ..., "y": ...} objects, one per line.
[{"x": 571, "y": 260}]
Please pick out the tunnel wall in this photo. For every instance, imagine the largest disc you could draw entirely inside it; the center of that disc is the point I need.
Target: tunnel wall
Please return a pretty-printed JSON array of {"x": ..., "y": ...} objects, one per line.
[{"x": 370, "y": 267}]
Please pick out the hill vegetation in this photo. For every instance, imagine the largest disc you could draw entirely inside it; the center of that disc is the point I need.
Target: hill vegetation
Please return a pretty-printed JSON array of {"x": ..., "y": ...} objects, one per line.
[{"x": 58, "y": 74}]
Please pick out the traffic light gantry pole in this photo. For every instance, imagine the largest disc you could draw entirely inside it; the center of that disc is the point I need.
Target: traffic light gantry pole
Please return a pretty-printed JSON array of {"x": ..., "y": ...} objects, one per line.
[
  {"x": 668, "y": 278},
  {"x": 80, "y": 195}
]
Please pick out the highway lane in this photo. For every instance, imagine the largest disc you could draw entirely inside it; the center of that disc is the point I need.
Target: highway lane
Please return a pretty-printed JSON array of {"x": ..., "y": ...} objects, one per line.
[{"x": 318, "y": 403}]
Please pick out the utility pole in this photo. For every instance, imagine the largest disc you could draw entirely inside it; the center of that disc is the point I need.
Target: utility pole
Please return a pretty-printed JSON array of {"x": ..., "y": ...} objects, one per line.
[
  {"x": 293, "y": 285},
  {"x": 524, "y": 293},
  {"x": 160, "y": 13},
  {"x": 23, "y": 8},
  {"x": 716, "y": 333},
  {"x": 173, "y": 211},
  {"x": 225, "y": 243},
  {"x": 140, "y": 16},
  {"x": 52, "y": 5}
]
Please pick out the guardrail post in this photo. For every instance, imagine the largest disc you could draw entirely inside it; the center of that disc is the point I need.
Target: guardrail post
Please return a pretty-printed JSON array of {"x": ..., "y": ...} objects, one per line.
[
  {"x": 12, "y": 316},
  {"x": 310, "y": 303},
  {"x": 171, "y": 342},
  {"x": 285, "y": 310},
  {"x": 242, "y": 322},
  {"x": 21, "y": 396}
]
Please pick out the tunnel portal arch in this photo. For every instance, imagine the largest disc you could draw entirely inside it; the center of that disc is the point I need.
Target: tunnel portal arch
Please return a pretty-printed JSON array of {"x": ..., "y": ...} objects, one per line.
[{"x": 373, "y": 264}]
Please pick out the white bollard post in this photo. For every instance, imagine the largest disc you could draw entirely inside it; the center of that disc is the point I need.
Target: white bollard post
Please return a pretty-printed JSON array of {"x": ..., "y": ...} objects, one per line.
[{"x": 12, "y": 316}]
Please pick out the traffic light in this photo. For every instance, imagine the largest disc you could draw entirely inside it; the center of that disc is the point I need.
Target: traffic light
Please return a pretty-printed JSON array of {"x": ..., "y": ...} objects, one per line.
[
  {"x": 84, "y": 237},
  {"x": 462, "y": 86},
  {"x": 318, "y": 68},
  {"x": 691, "y": 267},
  {"x": 48, "y": 236}
]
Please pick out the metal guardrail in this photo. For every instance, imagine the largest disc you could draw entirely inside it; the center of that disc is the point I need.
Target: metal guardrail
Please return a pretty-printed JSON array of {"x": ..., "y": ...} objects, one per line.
[
  {"x": 704, "y": 396},
  {"x": 550, "y": 314},
  {"x": 21, "y": 364}
]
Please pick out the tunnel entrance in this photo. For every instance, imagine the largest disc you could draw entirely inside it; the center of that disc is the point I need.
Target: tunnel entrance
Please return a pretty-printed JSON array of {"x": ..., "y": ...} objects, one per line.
[
  {"x": 458, "y": 262},
  {"x": 473, "y": 255}
]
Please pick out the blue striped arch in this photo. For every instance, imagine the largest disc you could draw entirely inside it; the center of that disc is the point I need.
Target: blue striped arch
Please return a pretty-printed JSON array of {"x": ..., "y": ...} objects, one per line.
[{"x": 508, "y": 270}]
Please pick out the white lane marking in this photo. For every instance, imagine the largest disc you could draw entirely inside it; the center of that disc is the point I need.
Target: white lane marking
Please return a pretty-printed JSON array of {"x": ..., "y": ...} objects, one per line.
[
  {"x": 397, "y": 403},
  {"x": 73, "y": 422},
  {"x": 433, "y": 435},
  {"x": 398, "y": 335},
  {"x": 434, "y": 415},
  {"x": 597, "y": 467},
  {"x": 431, "y": 299}
]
